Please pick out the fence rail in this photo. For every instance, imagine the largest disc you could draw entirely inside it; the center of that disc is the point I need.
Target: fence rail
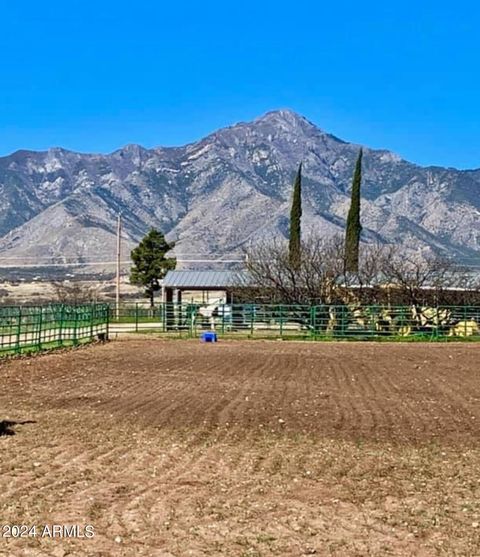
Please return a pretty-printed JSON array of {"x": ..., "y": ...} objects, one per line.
[
  {"x": 33, "y": 328},
  {"x": 303, "y": 321}
]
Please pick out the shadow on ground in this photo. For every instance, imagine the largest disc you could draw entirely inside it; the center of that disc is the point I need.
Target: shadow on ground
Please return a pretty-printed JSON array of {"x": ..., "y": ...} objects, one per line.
[{"x": 6, "y": 426}]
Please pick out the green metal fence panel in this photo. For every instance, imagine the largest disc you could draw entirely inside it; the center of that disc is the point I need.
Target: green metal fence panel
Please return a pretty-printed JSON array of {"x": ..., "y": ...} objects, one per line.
[
  {"x": 32, "y": 328},
  {"x": 319, "y": 321}
]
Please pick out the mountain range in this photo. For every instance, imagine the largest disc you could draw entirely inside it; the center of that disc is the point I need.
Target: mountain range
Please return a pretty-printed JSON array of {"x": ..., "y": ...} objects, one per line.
[{"x": 214, "y": 196}]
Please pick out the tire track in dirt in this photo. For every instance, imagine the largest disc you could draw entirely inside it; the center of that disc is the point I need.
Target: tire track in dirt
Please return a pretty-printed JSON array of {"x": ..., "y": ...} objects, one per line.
[
  {"x": 434, "y": 414},
  {"x": 343, "y": 389},
  {"x": 253, "y": 381},
  {"x": 176, "y": 471},
  {"x": 158, "y": 398},
  {"x": 394, "y": 406},
  {"x": 346, "y": 399},
  {"x": 213, "y": 387},
  {"x": 390, "y": 411},
  {"x": 49, "y": 475},
  {"x": 182, "y": 471},
  {"x": 390, "y": 400}
]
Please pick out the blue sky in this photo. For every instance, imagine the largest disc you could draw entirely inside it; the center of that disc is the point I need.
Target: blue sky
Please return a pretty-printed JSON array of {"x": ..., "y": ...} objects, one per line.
[{"x": 93, "y": 76}]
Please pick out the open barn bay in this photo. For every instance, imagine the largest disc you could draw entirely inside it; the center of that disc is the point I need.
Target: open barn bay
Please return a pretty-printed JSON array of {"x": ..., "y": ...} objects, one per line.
[{"x": 174, "y": 448}]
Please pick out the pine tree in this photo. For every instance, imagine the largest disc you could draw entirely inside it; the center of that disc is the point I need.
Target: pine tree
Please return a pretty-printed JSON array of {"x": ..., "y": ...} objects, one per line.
[
  {"x": 149, "y": 262},
  {"x": 354, "y": 228},
  {"x": 295, "y": 221}
]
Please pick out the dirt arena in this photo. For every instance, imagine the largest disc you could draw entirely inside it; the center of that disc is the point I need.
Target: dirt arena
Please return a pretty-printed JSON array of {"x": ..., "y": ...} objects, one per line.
[{"x": 173, "y": 448}]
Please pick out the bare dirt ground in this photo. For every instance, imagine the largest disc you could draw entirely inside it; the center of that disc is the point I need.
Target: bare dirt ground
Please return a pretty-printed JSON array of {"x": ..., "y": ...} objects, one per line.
[{"x": 173, "y": 448}]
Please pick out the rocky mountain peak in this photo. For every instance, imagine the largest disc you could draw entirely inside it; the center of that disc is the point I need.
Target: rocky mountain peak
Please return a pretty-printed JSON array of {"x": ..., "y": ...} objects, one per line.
[{"x": 286, "y": 120}]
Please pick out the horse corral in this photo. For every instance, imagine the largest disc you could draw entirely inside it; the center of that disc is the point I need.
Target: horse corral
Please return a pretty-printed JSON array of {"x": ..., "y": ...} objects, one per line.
[{"x": 243, "y": 448}]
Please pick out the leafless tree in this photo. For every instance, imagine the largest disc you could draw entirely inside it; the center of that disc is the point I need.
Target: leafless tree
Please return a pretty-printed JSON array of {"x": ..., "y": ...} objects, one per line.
[
  {"x": 74, "y": 293},
  {"x": 273, "y": 278},
  {"x": 386, "y": 275},
  {"x": 426, "y": 279}
]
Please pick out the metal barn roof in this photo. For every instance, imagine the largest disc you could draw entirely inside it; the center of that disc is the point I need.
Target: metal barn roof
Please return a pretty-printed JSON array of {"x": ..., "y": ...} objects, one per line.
[{"x": 203, "y": 279}]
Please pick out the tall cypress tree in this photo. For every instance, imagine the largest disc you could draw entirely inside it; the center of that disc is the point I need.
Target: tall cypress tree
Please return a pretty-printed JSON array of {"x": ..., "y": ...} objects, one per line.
[
  {"x": 294, "y": 245},
  {"x": 354, "y": 228}
]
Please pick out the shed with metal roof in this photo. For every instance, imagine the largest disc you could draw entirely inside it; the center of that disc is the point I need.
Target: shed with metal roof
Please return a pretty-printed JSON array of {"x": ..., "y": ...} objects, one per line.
[{"x": 202, "y": 286}]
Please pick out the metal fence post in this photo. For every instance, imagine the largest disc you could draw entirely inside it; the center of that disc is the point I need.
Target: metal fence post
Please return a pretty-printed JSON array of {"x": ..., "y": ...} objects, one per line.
[
  {"x": 252, "y": 317},
  {"x": 136, "y": 317},
  {"x": 40, "y": 324},
  {"x": 75, "y": 322},
  {"x": 60, "y": 329},
  {"x": 106, "y": 312},
  {"x": 19, "y": 330},
  {"x": 189, "y": 321},
  {"x": 281, "y": 319},
  {"x": 313, "y": 321},
  {"x": 92, "y": 315}
]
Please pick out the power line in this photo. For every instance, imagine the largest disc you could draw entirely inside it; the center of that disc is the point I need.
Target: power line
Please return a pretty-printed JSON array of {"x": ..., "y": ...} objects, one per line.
[
  {"x": 35, "y": 265},
  {"x": 100, "y": 263},
  {"x": 52, "y": 257}
]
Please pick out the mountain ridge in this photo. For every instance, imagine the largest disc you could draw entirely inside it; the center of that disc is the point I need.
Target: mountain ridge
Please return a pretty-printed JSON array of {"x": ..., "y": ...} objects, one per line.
[{"x": 211, "y": 195}]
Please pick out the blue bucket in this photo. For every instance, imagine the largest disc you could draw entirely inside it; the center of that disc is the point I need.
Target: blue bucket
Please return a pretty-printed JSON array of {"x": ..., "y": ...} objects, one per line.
[{"x": 208, "y": 336}]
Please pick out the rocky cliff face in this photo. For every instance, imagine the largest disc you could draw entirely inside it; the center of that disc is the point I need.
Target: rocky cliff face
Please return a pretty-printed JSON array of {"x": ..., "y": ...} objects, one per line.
[{"x": 230, "y": 188}]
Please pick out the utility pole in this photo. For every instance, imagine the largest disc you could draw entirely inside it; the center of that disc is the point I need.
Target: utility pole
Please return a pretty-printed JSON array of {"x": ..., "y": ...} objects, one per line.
[{"x": 117, "y": 296}]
